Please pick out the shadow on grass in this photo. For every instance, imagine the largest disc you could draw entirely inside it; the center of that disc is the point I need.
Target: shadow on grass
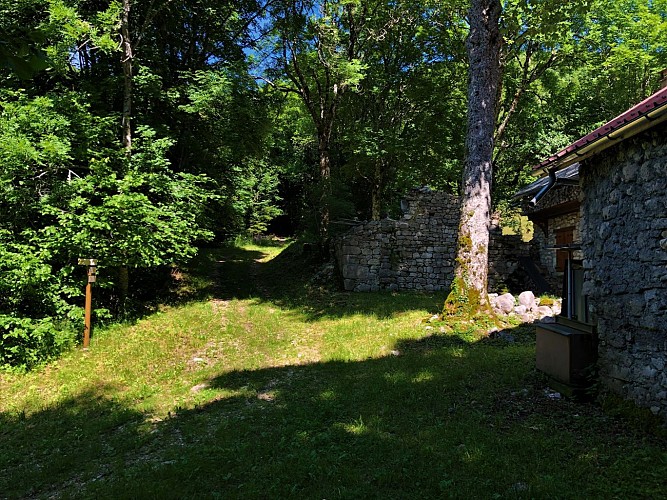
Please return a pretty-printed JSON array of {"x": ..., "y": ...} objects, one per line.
[
  {"x": 228, "y": 273},
  {"x": 441, "y": 418},
  {"x": 78, "y": 440}
]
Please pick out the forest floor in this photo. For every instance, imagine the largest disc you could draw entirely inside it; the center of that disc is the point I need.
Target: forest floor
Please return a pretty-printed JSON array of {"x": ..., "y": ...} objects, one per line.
[{"x": 260, "y": 383}]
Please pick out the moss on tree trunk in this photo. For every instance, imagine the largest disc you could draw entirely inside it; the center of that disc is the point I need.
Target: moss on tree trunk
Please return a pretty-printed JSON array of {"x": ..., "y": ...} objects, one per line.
[{"x": 468, "y": 294}]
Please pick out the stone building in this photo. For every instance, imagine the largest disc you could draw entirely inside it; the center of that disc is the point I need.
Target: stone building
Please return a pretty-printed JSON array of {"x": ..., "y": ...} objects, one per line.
[
  {"x": 555, "y": 218},
  {"x": 623, "y": 245},
  {"x": 415, "y": 252}
]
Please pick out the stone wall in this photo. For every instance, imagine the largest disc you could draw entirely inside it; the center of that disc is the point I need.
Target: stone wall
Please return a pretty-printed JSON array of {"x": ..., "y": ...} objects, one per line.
[
  {"x": 545, "y": 245},
  {"x": 417, "y": 252},
  {"x": 558, "y": 209},
  {"x": 504, "y": 254},
  {"x": 624, "y": 239}
]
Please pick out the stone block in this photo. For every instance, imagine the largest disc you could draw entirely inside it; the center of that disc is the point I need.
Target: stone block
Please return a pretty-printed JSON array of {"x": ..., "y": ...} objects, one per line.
[
  {"x": 362, "y": 272},
  {"x": 609, "y": 212},
  {"x": 505, "y": 303},
  {"x": 658, "y": 363},
  {"x": 349, "y": 270},
  {"x": 648, "y": 372},
  {"x": 543, "y": 311},
  {"x": 351, "y": 250},
  {"x": 527, "y": 299}
]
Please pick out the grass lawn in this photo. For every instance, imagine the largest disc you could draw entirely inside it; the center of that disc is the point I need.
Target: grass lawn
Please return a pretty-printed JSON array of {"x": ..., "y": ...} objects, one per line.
[{"x": 272, "y": 387}]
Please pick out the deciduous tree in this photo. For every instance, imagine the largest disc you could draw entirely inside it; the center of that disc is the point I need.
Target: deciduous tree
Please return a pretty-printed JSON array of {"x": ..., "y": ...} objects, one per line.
[{"x": 469, "y": 288}]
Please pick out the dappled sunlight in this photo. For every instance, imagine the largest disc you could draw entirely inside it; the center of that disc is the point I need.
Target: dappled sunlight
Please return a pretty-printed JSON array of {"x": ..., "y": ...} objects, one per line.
[
  {"x": 423, "y": 376},
  {"x": 401, "y": 377},
  {"x": 328, "y": 395},
  {"x": 281, "y": 278},
  {"x": 373, "y": 427},
  {"x": 470, "y": 455},
  {"x": 427, "y": 412}
]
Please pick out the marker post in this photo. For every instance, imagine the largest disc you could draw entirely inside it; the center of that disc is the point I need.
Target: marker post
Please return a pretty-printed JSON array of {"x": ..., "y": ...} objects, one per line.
[{"x": 92, "y": 276}]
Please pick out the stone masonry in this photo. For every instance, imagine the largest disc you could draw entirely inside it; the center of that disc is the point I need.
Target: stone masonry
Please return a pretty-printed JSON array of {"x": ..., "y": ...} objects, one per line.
[
  {"x": 544, "y": 237},
  {"x": 624, "y": 241},
  {"x": 417, "y": 252},
  {"x": 414, "y": 253}
]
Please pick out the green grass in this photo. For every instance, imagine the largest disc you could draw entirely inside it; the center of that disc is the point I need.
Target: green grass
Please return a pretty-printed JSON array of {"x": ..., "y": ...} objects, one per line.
[{"x": 263, "y": 384}]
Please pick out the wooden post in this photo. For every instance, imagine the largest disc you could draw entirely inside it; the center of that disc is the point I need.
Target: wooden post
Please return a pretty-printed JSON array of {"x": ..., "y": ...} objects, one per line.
[
  {"x": 92, "y": 276},
  {"x": 88, "y": 310}
]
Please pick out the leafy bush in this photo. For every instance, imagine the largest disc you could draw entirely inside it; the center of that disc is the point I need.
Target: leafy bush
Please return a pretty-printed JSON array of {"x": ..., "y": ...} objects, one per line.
[
  {"x": 67, "y": 190},
  {"x": 27, "y": 342}
]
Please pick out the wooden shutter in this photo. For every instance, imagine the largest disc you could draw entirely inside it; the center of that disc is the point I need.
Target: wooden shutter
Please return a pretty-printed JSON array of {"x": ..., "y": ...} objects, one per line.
[{"x": 564, "y": 236}]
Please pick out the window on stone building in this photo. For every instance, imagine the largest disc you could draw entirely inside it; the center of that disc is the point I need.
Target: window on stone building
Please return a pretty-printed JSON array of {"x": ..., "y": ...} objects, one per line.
[{"x": 564, "y": 236}]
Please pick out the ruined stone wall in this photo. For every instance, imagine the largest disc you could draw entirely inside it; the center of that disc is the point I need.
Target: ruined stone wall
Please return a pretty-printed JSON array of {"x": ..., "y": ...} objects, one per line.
[
  {"x": 624, "y": 239},
  {"x": 417, "y": 252},
  {"x": 504, "y": 254}
]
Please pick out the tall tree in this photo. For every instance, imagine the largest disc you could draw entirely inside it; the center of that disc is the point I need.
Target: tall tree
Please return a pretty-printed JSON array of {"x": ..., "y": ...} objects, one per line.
[
  {"x": 469, "y": 289},
  {"x": 387, "y": 126},
  {"x": 126, "y": 63},
  {"x": 318, "y": 49}
]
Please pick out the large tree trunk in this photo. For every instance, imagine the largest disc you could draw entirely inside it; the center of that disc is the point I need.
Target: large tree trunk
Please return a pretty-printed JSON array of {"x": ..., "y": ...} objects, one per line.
[
  {"x": 126, "y": 62},
  {"x": 325, "y": 180},
  {"x": 469, "y": 289}
]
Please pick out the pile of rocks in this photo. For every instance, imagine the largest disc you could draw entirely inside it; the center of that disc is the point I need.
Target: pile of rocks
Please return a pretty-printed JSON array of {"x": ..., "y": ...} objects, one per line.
[{"x": 526, "y": 306}]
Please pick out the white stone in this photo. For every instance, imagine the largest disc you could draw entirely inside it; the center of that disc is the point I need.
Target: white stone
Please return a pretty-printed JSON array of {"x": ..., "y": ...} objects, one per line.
[
  {"x": 527, "y": 299},
  {"x": 505, "y": 303},
  {"x": 543, "y": 311},
  {"x": 520, "y": 309}
]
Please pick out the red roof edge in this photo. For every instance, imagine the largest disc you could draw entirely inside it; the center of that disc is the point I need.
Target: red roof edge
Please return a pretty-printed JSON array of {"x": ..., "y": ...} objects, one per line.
[{"x": 652, "y": 103}]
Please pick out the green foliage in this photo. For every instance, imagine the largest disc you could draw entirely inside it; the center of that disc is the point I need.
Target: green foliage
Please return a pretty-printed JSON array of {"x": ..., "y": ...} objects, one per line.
[
  {"x": 67, "y": 188},
  {"x": 21, "y": 54},
  {"x": 65, "y": 196},
  {"x": 580, "y": 64},
  {"x": 228, "y": 141},
  {"x": 380, "y": 87},
  {"x": 71, "y": 35},
  {"x": 142, "y": 216}
]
